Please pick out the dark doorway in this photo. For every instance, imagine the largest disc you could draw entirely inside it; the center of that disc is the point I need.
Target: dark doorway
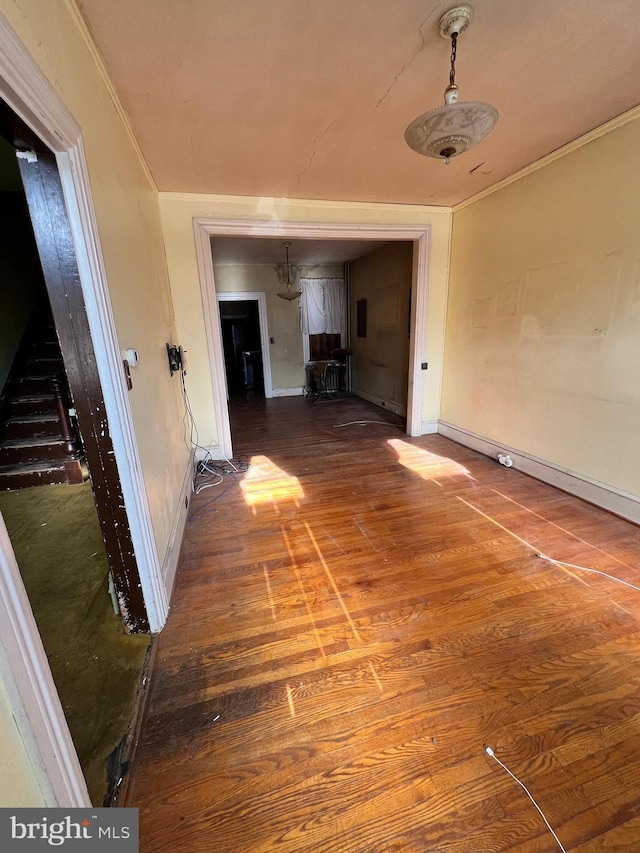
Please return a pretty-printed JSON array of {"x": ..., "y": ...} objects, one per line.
[
  {"x": 71, "y": 541},
  {"x": 54, "y": 242},
  {"x": 242, "y": 347}
]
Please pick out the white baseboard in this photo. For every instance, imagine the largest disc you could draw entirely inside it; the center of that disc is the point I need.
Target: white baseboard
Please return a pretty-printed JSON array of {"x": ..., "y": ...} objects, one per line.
[
  {"x": 391, "y": 405},
  {"x": 602, "y": 495},
  {"x": 210, "y": 451},
  {"x": 429, "y": 427},
  {"x": 288, "y": 392},
  {"x": 170, "y": 563}
]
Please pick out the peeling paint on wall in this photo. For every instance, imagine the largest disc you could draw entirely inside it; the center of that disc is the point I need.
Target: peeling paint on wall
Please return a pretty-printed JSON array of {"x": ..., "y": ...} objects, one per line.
[{"x": 572, "y": 297}]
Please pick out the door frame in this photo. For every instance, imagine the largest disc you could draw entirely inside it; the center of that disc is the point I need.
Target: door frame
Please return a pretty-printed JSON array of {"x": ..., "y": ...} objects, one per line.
[
  {"x": 23, "y": 663},
  {"x": 261, "y": 299},
  {"x": 205, "y": 228}
]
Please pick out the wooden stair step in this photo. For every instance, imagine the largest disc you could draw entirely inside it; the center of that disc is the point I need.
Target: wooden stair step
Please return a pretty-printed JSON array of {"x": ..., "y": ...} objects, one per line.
[
  {"x": 33, "y": 384},
  {"x": 31, "y": 426},
  {"x": 72, "y": 471},
  {"x": 44, "y": 349},
  {"x": 32, "y": 404},
  {"x": 32, "y": 448},
  {"x": 51, "y": 361},
  {"x": 28, "y": 450}
]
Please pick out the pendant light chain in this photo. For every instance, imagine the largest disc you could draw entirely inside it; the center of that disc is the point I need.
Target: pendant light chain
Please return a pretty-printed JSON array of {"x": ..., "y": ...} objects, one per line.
[
  {"x": 454, "y": 45},
  {"x": 451, "y": 129},
  {"x": 283, "y": 269},
  {"x": 286, "y": 248}
]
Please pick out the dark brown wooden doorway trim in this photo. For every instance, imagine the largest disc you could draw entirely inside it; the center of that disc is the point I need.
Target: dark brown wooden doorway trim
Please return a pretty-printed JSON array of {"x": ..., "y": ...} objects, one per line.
[{"x": 54, "y": 241}]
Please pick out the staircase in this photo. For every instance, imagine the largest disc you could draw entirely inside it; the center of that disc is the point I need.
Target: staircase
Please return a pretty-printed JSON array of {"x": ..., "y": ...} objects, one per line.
[{"x": 38, "y": 444}]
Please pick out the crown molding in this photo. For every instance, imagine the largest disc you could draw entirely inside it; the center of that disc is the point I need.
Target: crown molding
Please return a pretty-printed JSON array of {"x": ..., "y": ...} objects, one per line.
[
  {"x": 574, "y": 145},
  {"x": 306, "y": 204},
  {"x": 99, "y": 63}
]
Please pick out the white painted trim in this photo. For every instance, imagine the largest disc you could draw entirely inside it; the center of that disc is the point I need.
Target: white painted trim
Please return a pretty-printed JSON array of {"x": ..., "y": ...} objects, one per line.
[
  {"x": 574, "y": 145},
  {"x": 205, "y": 228},
  {"x": 170, "y": 564},
  {"x": 418, "y": 340},
  {"x": 35, "y": 705},
  {"x": 210, "y": 451},
  {"x": 390, "y": 405},
  {"x": 213, "y": 333},
  {"x": 259, "y": 297},
  {"x": 429, "y": 427},
  {"x": 288, "y": 392},
  {"x": 602, "y": 495},
  {"x": 95, "y": 288},
  {"x": 27, "y": 91}
]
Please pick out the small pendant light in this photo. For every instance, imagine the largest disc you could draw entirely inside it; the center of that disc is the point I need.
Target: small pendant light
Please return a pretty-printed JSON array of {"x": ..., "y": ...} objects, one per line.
[
  {"x": 290, "y": 295},
  {"x": 450, "y": 130}
]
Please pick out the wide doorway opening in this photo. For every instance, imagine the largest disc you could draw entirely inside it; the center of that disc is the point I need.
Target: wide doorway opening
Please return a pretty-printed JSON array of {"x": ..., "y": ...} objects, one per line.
[{"x": 342, "y": 317}]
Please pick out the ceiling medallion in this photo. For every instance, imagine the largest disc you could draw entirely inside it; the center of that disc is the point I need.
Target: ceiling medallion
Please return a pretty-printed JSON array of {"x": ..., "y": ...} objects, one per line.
[{"x": 447, "y": 131}]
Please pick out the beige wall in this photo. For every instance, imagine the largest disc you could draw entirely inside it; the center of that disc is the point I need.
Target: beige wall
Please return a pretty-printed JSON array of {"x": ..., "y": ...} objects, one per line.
[
  {"x": 543, "y": 342},
  {"x": 380, "y": 361},
  {"x": 283, "y": 318},
  {"x": 178, "y": 211},
  {"x": 18, "y": 786},
  {"x": 126, "y": 204}
]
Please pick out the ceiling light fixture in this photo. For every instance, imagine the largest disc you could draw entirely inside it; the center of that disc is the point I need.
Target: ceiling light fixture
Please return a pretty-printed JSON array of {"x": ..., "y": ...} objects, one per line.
[
  {"x": 284, "y": 274},
  {"x": 453, "y": 128}
]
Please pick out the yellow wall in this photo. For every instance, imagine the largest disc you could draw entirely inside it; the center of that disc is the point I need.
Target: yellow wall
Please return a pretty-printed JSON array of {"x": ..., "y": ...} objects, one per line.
[
  {"x": 178, "y": 211},
  {"x": 18, "y": 786},
  {"x": 380, "y": 361},
  {"x": 283, "y": 318},
  {"x": 543, "y": 320},
  {"x": 126, "y": 204}
]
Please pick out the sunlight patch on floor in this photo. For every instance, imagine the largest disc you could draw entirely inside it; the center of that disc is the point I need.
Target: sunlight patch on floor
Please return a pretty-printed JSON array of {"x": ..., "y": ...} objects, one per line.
[
  {"x": 375, "y": 677},
  {"x": 269, "y": 593},
  {"x": 305, "y": 597},
  {"x": 427, "y": 465},
  {"x": 292, "y": 707},
  {"x": 333, "y": 583},
  {"x": 266, "y": 483}
]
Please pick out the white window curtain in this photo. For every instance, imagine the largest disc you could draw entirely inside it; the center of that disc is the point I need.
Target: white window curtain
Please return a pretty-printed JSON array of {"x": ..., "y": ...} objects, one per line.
[{"x": 322, "y": 306}]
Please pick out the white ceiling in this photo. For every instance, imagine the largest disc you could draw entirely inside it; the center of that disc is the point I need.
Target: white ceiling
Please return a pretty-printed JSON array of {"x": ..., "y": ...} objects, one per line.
[{"x": 310, "y": 98}]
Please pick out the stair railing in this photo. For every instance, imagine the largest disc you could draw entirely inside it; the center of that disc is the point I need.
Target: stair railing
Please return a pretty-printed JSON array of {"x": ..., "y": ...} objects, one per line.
[{"x": 66, "y": 429}]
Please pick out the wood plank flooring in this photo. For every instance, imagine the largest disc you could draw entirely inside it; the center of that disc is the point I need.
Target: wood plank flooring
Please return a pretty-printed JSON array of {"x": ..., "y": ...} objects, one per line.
[{"x": 354, "y": 618}]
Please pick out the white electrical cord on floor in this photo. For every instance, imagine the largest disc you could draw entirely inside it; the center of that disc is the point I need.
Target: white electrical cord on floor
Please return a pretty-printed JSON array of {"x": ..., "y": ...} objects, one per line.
[
  {"x": 540, "y": 554},
  {"x": 585, "y": 569},
  {"x": 362, "y": 423},
  {"x": 200, "y": 487},
  {"x": 490, "y": 752}
]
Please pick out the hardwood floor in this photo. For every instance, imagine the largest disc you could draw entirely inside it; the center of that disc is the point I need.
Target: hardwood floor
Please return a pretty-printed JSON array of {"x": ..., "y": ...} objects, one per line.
[{"x": 355, "y": 618}]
